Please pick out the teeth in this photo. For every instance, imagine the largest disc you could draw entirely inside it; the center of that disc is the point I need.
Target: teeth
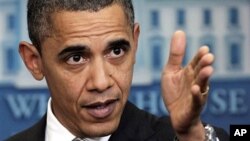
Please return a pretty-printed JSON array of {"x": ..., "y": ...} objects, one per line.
[{"x": 100, "y": 107}]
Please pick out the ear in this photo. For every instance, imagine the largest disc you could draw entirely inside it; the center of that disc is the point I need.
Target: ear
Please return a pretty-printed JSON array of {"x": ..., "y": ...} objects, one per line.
[
  {"x": 31, "y": 59},
  {"x": 136, "y": 36}
]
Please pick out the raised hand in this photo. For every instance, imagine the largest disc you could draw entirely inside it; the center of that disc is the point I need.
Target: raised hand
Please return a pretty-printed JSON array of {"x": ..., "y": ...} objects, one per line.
[{"x": 185, "y": 89}]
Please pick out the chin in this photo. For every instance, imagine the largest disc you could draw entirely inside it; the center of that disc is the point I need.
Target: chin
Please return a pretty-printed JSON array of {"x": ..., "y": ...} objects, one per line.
[{"x": 100, "y": 130}]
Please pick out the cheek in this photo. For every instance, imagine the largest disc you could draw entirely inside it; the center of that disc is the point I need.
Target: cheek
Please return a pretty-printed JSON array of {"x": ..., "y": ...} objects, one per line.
[
  {"x": 123, "y": 76},
  {"x": 63, "y": 85},
  {"x": 65, "y": 92}
]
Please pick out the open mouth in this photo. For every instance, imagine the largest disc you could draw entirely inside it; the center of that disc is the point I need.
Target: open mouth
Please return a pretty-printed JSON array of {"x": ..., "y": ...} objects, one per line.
[{"x": 101, "y": 109}]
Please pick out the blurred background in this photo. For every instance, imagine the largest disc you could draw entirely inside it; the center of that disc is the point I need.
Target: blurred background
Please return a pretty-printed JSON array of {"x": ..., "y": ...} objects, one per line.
[{"x": 223, "y": 25}]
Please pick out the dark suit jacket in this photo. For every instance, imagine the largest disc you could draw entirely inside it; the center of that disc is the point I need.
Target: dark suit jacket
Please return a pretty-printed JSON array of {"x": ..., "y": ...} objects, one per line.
[{"x": 136, "y": 125}]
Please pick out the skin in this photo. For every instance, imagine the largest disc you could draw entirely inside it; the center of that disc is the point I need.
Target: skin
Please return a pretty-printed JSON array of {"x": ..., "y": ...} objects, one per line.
[
  {"x": 185, "y": 88},
  {"x": 99, "y": 76},
  {"x": 88, "y": 62}
]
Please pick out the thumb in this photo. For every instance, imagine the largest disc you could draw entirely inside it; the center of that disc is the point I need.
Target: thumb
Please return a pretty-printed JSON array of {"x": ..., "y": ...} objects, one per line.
[{"x": 177, "y": 52}]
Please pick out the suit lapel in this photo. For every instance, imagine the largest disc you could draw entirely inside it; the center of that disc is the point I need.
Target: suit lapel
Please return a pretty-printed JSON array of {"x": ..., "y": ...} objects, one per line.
[
  {"x": 38, "y": 130},
  {"x": 132, "y": 127},
  {"x": 34, "y": 133}
]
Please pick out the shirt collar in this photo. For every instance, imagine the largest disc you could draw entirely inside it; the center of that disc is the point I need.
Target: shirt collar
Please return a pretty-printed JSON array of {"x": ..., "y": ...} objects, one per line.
[{"x": 55, "y": 130}]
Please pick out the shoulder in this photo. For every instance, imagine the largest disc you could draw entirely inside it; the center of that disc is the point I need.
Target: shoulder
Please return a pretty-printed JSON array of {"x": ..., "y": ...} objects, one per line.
[
  {"x": 36, "y": 132},
  {"x": 139, "y": 125},
  {"x": 153, "y": 122}
]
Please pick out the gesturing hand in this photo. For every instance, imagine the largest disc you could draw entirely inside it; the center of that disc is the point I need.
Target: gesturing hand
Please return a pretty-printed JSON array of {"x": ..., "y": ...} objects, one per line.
[{"x": 183, "y": 88}]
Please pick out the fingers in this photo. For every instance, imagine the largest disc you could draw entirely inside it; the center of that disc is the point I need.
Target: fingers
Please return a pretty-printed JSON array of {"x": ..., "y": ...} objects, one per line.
[
  {"x": 177, "y": 52},
  {"x": 202, "y": 51},
  {"x": 201, "y": 64},
  {"x": 203, "y": 69},
  {"x": 203, "y": 76}
]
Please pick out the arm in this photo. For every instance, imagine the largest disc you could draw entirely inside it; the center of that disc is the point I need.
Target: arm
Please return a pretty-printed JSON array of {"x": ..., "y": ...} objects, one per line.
[{"x": 185, "y": 89}]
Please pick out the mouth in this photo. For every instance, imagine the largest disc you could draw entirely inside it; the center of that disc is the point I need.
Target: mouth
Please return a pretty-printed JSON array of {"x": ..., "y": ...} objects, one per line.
[{"x": 101, "y": 109}]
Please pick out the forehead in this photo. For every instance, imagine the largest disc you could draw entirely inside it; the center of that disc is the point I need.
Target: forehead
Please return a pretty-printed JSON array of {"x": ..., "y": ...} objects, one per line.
[{"x": 111, "y": 17}]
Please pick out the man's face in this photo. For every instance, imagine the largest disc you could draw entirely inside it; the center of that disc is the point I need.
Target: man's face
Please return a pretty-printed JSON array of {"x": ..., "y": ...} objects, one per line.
[{"x": 88, "y": 65}]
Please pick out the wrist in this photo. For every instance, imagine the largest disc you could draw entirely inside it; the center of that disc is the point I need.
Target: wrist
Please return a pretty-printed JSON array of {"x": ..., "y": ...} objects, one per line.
[
  {"x": 195, "y": 133},
  {"x": 209, "y": 135}
]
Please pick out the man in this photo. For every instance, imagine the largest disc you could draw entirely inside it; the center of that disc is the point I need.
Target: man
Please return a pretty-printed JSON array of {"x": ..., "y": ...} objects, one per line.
[{"x": 85, "y": 49}]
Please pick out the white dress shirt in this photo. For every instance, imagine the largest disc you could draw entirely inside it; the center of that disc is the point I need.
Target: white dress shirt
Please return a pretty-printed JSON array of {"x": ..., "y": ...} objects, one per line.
[{"x": 55, "y": 131}]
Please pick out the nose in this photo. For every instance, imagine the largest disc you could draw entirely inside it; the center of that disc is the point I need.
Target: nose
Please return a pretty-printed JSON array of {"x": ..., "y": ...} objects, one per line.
[{"x": 99, "y": 76}]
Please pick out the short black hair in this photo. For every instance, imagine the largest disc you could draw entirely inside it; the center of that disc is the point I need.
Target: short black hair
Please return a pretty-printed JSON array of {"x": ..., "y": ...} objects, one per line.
[{"x": 39, "y": 14}]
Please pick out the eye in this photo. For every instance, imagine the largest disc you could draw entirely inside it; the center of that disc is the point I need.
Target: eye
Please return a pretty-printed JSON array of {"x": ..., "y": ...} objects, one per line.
[
  {"x": 116, "y": 52},
  {"x": 76, "y": 60}
]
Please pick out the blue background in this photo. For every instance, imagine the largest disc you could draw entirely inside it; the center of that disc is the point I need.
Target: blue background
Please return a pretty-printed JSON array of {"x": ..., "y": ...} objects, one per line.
[{"x": 224, "y": 27}]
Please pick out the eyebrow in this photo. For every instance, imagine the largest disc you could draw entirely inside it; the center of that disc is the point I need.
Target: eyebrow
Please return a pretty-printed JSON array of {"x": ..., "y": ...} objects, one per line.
[
  {"x": 74, "y": 48},
  {"x": 83, "y": 48},
  {"x": 120, "y": 42}
]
